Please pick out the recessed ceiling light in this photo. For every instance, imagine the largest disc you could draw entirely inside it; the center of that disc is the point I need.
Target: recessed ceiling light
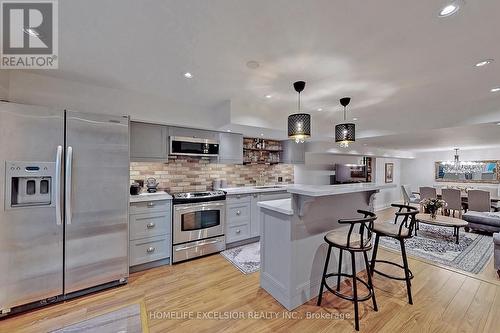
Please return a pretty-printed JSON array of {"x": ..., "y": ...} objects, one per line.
[
  {"x": 188, "y": 75},
  {"x": 229, "y": 130},
  {"x": 450, "y": 9},
  {"x": 355, "y": 119},
  {"x": 269, "y": 96},
  {"x": 484, "y": 62},
  {"x": 496, "y": 89},
  {"x": 320, "y": 109},
  {"x": 261, "y": 134},
  {"x": 252, "y": 64}
]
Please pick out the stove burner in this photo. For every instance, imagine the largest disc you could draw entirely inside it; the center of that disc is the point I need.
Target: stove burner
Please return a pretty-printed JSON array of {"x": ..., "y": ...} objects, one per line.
[{"x": 189, "y": 197}]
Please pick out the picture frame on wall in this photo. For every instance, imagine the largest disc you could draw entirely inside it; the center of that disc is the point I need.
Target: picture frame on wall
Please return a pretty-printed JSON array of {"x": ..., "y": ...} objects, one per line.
[{"x": 389, "y": 172}]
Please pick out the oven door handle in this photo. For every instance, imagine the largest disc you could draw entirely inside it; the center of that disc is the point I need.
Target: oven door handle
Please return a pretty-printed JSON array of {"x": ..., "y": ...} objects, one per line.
[
  {"x": 193, "y": 246},
  {"x": 195, "y": 207}
]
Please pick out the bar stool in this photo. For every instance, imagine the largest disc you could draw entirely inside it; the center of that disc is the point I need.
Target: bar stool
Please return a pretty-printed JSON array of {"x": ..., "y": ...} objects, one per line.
[
  {"x": 398, "y": 230},
  {"x": 359, "y": 241}
]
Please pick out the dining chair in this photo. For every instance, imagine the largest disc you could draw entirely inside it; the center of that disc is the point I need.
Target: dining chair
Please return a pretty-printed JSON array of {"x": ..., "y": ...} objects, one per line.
[
  {"x": 408, "y": 196},
  {"x": 453, "y": 199},
  {"x": 427, "y": 192},
  {"x": 479, "y": 201}
]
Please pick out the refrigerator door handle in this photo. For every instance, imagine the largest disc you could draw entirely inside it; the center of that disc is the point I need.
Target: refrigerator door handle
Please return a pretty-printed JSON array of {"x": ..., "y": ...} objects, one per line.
[
  {"x": 69, "y": 162},
  {"x": 57, "y": 185}
]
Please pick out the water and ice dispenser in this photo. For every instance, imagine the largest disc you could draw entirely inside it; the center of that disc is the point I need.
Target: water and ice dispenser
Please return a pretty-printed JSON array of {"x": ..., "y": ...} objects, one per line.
[{"x": 29, "y": 184}]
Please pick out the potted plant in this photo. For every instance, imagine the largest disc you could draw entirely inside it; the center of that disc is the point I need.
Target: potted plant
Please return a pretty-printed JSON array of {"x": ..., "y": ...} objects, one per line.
[{"x": 432, "y": 205}]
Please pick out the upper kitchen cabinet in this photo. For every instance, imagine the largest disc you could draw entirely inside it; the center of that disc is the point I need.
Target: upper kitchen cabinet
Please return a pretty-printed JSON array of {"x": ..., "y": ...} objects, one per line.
[
  {"x": 193, "y": 133},
  {"x": 293, "y": 153},
  {"x": 230, "y": 148},
  {"x": 148, "y": 142}
]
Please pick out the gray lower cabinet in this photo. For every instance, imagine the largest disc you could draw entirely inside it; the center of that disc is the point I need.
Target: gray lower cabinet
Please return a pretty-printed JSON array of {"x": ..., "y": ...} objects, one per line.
[
  {"x": 238, "y": 217},
  {"x": 242, "y": 214},
  {"x": 230, "y": 148},
  {"x": 148, "y": 142},
  {"x": 293, "y": 153},
  {"x": 150, "y": 234}
]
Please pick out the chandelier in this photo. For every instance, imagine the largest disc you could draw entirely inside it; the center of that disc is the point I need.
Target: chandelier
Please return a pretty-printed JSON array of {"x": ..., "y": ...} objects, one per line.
[{"x": 457, "y": 166}]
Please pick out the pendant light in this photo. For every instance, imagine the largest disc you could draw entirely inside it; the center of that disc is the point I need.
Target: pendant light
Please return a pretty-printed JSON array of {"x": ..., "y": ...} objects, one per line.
[
  {"x": 299, "y": 124},
  {"x": 345, "y": 133}
]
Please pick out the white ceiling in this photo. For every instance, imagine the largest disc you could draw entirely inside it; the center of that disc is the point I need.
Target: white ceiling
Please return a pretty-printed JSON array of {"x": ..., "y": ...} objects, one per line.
[{"x": 407, "y": 71}]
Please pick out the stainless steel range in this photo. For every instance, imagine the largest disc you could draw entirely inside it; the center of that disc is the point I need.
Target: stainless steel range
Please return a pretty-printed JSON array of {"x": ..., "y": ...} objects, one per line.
[{"x": 198, "y": 224}]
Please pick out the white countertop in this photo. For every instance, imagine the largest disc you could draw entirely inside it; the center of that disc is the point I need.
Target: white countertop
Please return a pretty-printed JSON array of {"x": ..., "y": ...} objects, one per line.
[
  {"x": 160, "y": 195},
  {"x": 283, "y": 206},
  {"x": 253, "y": 189},
  {"x": 325, "y": 190}
]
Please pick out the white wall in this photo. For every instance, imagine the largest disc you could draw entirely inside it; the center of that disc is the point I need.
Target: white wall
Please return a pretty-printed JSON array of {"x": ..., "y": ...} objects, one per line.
[
  {"x": 420, "y": 171},
  {"x": 386, "y": 197}
]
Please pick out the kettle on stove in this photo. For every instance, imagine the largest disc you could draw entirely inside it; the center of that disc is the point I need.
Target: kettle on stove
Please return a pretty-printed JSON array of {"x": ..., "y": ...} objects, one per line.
[{"x": 152, "y": 185}]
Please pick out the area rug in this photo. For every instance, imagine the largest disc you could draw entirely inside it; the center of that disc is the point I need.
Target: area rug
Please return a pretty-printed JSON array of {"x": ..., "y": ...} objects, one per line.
[
  {"x": 437, "y": 244},
  {"x": 246, "y": 258},
  {"x": 127, "y": 319}
]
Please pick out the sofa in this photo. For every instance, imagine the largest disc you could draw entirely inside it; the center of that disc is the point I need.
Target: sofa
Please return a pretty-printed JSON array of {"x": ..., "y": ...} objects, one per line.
[
  {"x": 485, "y": 221},
  {"x": 496, "y": 241}
]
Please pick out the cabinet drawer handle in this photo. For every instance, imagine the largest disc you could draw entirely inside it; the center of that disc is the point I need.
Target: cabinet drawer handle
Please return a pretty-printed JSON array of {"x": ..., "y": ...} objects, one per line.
[
  {"x": 150, "y": 250},
  {"x": 238, "y": 212},
  {"x": 150, "y": 225},
  {"x": 238, "y": 197},
  {"x": 151, "y": 204},
  {"x": 238, "y": 231}
]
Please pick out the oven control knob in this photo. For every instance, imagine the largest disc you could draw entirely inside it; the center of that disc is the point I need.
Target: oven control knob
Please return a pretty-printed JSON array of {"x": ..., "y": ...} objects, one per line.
[
  {"x": 238, "y": 212},
  {"x": 150, "y": 250},
  {"x": 238, "y": 231}
]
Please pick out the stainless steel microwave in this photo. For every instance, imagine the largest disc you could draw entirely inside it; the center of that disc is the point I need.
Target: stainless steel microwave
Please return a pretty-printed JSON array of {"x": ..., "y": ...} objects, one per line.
[{"x": 193, "y": 146}]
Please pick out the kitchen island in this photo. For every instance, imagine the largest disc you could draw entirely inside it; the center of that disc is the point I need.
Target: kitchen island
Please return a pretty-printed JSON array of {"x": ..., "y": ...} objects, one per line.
[{"x": 291, "y": 236}]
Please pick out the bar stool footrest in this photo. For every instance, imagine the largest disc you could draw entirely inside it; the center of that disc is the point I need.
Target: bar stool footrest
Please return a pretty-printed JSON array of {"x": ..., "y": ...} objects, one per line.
[
  {"x": 347, "y": 297},
  {"x": 392, "y": 276}
]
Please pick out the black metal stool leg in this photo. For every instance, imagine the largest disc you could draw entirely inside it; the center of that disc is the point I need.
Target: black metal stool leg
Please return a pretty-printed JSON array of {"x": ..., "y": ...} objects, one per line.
[
  {"x": 406, "y": 269},
  {"x": 370, "y": 282},
  {"x": 374, "y": 254},
  {"x": 355, "y": 291},
  {"x": 320, "y": 296},
  {"x": 339, "y": 270}
]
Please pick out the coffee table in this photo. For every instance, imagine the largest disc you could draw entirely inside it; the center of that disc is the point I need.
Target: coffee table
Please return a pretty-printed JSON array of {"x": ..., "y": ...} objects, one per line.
[{"x": 442, "y": 221}]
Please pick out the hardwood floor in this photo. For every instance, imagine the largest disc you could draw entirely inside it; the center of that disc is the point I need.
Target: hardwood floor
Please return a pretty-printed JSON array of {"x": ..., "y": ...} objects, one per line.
[{"x": 444, "y": 301}]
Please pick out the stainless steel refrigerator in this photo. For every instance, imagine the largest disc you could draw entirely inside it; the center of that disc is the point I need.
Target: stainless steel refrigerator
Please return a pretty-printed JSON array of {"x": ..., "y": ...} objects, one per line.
[{"x": 64, "y": 180}]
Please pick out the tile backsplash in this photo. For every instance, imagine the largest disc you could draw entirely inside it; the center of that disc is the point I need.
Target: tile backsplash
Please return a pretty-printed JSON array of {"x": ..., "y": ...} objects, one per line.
[{"x": 185, "y": 174}]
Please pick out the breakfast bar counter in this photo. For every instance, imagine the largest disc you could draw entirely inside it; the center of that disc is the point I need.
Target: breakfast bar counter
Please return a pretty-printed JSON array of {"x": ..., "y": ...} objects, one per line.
[{"x": 291, "y": 236}]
